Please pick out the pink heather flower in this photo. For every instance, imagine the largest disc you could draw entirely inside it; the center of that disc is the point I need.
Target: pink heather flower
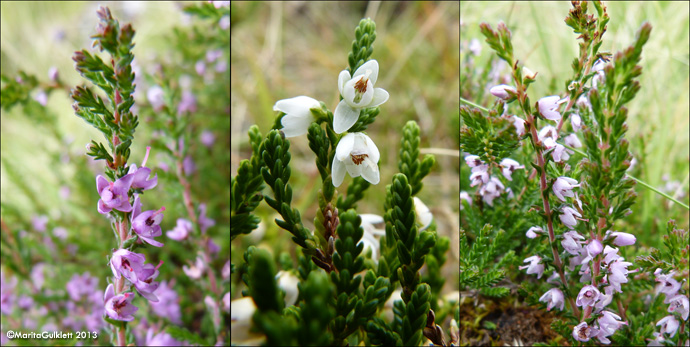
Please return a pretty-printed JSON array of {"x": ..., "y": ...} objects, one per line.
[
  {"x": 60, "y": 233},
  {"x": 576, "y": 121},
  {"x": 156, "y": 97},
  {"x": 680, "y": 304},
  {"x": 572, "y": 141},
  {"x": 491, "y": 190},
  {"x": 41, "y": 97},
  {"x": 480, "y": 175},
  {"x": 188, "y": 165},
  {"x": 37, "y": 275},
  {"x": 532, "y": 232},
  {"x": 548, "y": 136},
  {"x": 473, "y": 161},
  {"x": 128, "y": 264},
  {"x": 195, "y": 271},
  {"x": 145, "y": 285},
  {"x": 568, "y": 216},
  {"x": 501, "y": 91},
  {"x": 141, "y": 175},
  {"x": 226, "y": 302},
  {"x": 147, "y": 224},
  {"x": 187, "y": 103},
  {"x": 207, "y": 138},
  {"x": 563, "y": 187},
  {"x": 213, "y": 55},
  {"x": 25, "y": 302},
  {"x": 161, "y": 339},
  {"x": 608, "y": 324},
  {"x": 226, "y": 270},
  {"x": 548, "y": 107},
  {"x": 610, "y": 255},
  {"x": 508, "y": 166},
  {"x": 81, "y": 286},
  {"x": 39, "y": 223},
  {"x": 534, "y": 267},
  {"x": 167, "y": 305},
  {"x": 519, "y": 125},
  {"x": 204, "y": 222},
  {"x": 475, "y": 47},
  {"x": 7, "y": 294},
  {"x": 570, "y": 244},
  {"x": 553, "y": 297},
  {"x": 53, "y": 73},
  {"x": 604, "y": 299},
  {"x": 212, "y": 247},
  {"x": 221, "y": 66},
  {"x": 560, "y": 153},
  {"x": 224, "y": 22},
  {"x": 181, "y": 230},
  {"x": 588, "y": 296},
  {"x": 622, "y": 239},
  {"x": 114, "y": 195},
  {"x": 200, "y": 67},
  {"x": 618, "y": 273},
  {"x": 667, "y": 284},
  {"x": 594, "y": 248},
  {"x": 119, "y": 307},
  {"x": 582, "y": 332},
  {"x": 65, "y": 192},
  {"x": 466, "y": 197},
  {"x": 669, "y": 325}
]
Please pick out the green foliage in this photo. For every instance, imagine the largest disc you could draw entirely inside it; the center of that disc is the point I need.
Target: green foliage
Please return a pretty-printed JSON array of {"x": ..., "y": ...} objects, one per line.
[
  {"x": 490, "y": 137},
  {"x": 246, "y": 190},
  {"x": 316, "y": 311},
  {"x": 16, "y": 90},
  {"x": 478, "y": 270},
  {"x": 320, "y": 144},
  {"x": 414, "y": 316},
  {"x": 261, "y": 280},
  {"x": 355, "y": 192},
  {"x": 499, "y": 41},
  {"x": 409, "y": 163},
  {"x": 182, "y": 334},
  {"x": 276, "y": 173},
  {"x": 362, "y": 46}
]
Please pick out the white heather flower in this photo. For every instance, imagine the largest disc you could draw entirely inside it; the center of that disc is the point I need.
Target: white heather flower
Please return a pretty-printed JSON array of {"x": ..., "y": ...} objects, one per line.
[
  {"x": 583, "y": 102},
  {"x": 358, "y": 92},
  {"x": 357, "y": 154},
  {"x": 572, "y": 141},
  {"x": 466, "y": 197},
  {"x": 600, "y": 77},
  {"x": 288, "y": 282},
  {"x": 608, "y": 324},
  {"x": 563, "y": 187},
  {"x": 475, "y": 47},
  {"x": 532, "y": 232},
  {"x": 680, "y": 304},
  {"x": 424, "y": 216},
  {"x": 571, "y": 245},
  {"x": 622, "y": 239},
  {"x": 528, "y": 73},
  {"x": 588, "y": 296},
  {"x": 508, "y": 166},
  {"x": 369, "y": 239},
  {"x": 669, "y": 325},
  {"x": 548, "y": 107},
  {"x": 519, "y": 124},
  {"x": 582, "y": 332},
  {"x": 548, "y": 136},
  {"x": 618, "y": 274},
  {"x": 500, "y": 91},
  {"x": 534, "y": 267},
  {"x": 298, "y": 116},
  {"x": 554, "y": 298}
]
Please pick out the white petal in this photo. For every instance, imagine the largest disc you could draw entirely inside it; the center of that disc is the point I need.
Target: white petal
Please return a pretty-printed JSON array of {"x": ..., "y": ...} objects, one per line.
[
  {"x": 342, "y": 79},
  {"x": 353, "y": 169},
  {"x": 380, "y": 96},
  {"x": 371, "y": 174},
  {"x": 371, "y": 150},
  {"x": 338, "y": 172},
  {"x": 345, "y": 146},
  {"x": 372, "y": 65},
  {"x": 344, "y": 117},
  {"x": 299, "y": 105},
  {"x": 349, "y": 94},
  {"x": 295, "y": 126},
  {"x": 423, "y": 213},
  {"x": 371, "y": 218}
]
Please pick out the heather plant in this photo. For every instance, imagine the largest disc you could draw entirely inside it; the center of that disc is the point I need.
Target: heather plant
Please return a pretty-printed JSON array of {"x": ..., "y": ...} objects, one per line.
[
  {"x": 547, "y": 191},
  {"x": 358, "y": 278},
  {"x": 151, "y": 280}
]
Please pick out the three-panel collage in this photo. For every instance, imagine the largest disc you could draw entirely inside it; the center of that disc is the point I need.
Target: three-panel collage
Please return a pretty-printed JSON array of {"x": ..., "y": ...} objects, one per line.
[{"x": 345, "y": 173}]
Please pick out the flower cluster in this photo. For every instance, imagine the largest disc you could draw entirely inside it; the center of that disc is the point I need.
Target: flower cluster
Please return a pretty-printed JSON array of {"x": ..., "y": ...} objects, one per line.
[
  {"x": 490, "y": 187},
  {"x": 356, "y": 153},
  {"x": 678, "y": 306},
  {"x": 146, "y": 225}
]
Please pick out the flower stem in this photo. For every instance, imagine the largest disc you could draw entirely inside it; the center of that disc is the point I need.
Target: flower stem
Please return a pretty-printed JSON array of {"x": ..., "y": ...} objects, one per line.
[{"x": 474, "y": 105}]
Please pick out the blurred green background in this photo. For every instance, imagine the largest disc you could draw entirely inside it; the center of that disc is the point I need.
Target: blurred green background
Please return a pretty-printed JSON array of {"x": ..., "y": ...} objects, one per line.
[
  {"x": 658, "y": 118},
  {"x": 281, "y": 50}
]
